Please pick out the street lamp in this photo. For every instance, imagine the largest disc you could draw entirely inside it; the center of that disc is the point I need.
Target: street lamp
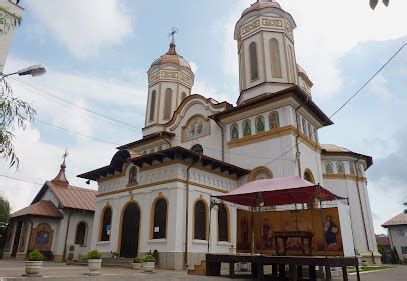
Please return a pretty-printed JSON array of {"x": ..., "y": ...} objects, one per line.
[{"x": 34, "y": 71}]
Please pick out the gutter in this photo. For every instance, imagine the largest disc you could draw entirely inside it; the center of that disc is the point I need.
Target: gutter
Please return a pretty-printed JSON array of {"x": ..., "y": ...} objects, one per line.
[
  {"x": 223, "y": 139},
  {"x": 167, "y": 141},
  {"x": 363, "y": 215},
  {"x": 187, "y": 214}
]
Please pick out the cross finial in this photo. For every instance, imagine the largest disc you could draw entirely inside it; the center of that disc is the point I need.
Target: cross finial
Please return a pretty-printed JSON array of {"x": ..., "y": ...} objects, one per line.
[
  {"x": 65, "y": 155},
  {"x": 174, "y": 30}
]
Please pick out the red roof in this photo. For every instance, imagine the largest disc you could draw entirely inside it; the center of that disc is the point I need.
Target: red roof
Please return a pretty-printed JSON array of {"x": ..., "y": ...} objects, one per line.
[
  {"x": 42, "y": 208},
  {"x": 383, "y": 240},
  {"x": 400, "y": 219},
  {"x": 277, "y": 191}
]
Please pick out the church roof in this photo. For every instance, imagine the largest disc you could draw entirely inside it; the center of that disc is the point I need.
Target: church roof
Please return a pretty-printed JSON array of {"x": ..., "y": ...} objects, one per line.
[
  {"x": 177, "y": 152},
  {"x": 400, "y": 219},
  {"x": 41, "y": 208},
  {"x": 146, "y": 139},
  {"x": 296, "y": 91},
  {"x": 262, "y": 4},
  {"x": 338, "y": 150},
  {"x": 172, "y": 57}
]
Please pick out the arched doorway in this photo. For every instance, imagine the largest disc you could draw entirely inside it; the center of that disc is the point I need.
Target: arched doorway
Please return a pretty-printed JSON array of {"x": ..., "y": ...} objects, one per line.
[{"x": 130, "y": 231}]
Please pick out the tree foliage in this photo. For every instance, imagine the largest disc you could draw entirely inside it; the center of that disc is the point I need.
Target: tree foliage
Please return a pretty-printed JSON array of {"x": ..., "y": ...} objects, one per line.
[
  {"x": 4, "y": 210},
  {"x": 373, "y": 3},
  {"x": 14, "y": 113}
]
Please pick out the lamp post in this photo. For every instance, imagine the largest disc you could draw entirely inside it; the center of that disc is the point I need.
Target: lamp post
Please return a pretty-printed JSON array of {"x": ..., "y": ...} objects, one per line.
[{"x": 34, "y": 71}]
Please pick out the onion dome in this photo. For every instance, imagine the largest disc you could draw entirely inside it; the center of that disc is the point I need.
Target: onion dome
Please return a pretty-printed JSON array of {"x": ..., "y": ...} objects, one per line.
[
  {"x": 262, "y": 4},
  {"x": 171, "y": 57}
]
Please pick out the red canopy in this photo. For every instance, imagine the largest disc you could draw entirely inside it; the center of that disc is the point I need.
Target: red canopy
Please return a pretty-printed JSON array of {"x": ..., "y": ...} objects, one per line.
[{"x": 278, "y": 191}]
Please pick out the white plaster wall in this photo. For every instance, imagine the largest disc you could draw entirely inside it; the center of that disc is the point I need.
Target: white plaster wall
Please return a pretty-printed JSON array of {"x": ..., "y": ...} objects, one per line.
[
  {"x": 75, "y": 219},
  {"x": 397, "y": 240}
]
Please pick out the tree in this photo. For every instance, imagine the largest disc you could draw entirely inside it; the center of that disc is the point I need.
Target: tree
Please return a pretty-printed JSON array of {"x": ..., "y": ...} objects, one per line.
[
  {"x": 395, "y": 259},
  {"x": 373, "y": 3},
  {"x": 14, "y": 113},
  {"x": 4, "y": 210}
]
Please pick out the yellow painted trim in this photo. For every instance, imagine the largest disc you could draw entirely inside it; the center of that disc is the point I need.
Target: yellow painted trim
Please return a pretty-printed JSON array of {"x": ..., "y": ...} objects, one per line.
[
  {"x": 102, "y": 214},
  {"x": 257, "y": 170},
  {"x": 200, "y": 198},
  {"x": 343, "y": 177},
  {"x": 152, "y": 212},
  {"x": 119, "y": 240},
  {"x": 310, "y": 175},
  {"x": 158, "y": 183},
  {"x": 274, "y": 133}
]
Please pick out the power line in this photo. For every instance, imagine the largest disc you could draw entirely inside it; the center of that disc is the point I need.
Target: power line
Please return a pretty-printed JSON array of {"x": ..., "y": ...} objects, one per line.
[
  {"x": 22, "y": 180},
  {"x": 70, "y": 104},
  {"x": 347, "y": 101},
  {"x": 74, "y": 132}
]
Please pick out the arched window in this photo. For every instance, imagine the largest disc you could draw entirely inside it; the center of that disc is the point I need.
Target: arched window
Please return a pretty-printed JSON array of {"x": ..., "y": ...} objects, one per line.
[
  {"x": 223, "y": 223},
  {"x": 340, "y": 168},
  {"x": 106, "y": 224},
  {"x": 234, "y": 131},
  {"x": 133, "y": 175},
  {"x": 183, "y": 96},
  {"x": 309, "y": 177},
  {"x": 352, "y": 168},
  {"x": 328, "y": 167},
  {"x": 80, "y": 233},
  {"x": 274, "y": 120},
  {"x": 152, "y": 105},
  {"x": 200, "y": 220},
  {"x": 197, "y": 148},
  {"x": 260, "y": 173},
  {"x": 304, "y": 127},
  {"x": 310, "y": 130},
  {"x": 275, "y": 58},
  {"x": 168, "y": 103},
  {"x": 160, "y": 219},
  {"x": 254, "y": 70},
  {"x": 247, "y": 128},
  {"x": 259, "y": 124},
  {"x": 293, "y": 66}
]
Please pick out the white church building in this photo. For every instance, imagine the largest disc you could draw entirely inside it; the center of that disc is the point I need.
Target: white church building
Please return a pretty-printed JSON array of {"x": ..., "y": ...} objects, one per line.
[{"x": 155, "y": 193}]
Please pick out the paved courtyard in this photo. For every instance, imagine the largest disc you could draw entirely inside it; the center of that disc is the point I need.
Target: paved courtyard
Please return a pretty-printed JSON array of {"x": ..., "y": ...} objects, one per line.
[{"x": 12, "y": 270}]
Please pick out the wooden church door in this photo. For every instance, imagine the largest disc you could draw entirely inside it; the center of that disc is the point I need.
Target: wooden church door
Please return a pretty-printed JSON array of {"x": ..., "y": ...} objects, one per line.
[{"x": 130, "y": 231}]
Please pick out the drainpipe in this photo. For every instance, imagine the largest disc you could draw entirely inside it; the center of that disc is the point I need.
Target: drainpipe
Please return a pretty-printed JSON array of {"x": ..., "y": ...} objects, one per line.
[
  {"x": 223, "y": 140},
  {"x": 187, "y": 215},
  {"x": 297, "y": 154},
  {"x": 363, "y": 216},
  {"x": 164, "y": 138},
  {"x": 66, "y": 234}
]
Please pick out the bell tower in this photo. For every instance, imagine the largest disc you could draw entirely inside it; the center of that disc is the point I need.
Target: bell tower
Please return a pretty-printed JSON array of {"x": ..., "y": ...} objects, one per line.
[
  {"x": 170, "y": 80},
  {"x": 265, "y": 42}
]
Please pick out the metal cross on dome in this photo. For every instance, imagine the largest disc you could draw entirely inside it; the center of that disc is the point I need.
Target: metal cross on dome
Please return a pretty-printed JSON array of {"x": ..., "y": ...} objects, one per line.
[
  {"x": 65, "y": 155},
  {"x": 174, "y": 30}
]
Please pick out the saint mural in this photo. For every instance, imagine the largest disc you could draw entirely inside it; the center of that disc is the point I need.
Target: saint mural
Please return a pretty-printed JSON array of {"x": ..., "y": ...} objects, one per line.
[
  {"x": 330, "y": 232},
  {"x": 196, "y": 128},
  {"x": 267, "y": 235}
]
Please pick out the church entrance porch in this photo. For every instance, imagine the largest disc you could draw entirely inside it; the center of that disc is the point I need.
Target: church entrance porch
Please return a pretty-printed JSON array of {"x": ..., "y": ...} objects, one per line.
[
  {"x": 17, "y": 239},
  {"x": 130, "y": 231}
]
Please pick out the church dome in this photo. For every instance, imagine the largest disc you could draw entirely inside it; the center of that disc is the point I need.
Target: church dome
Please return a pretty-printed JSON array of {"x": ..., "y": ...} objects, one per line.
[
  {"x": 262, "y": 4},
  {"x": 171, "y": 57}
]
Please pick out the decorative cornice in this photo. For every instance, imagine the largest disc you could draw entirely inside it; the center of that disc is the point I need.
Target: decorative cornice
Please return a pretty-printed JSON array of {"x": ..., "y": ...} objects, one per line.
[{"x": 344, "y": 177}]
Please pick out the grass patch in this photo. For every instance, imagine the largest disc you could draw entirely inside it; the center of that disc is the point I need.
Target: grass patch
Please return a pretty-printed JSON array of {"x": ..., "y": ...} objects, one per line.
[{"x": 370, "y": 268}]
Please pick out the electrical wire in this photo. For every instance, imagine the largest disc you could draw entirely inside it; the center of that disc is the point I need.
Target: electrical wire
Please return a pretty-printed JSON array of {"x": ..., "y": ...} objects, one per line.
[
  {"x": 22, "y": 180},
  {"x": 347, "y": 101}
]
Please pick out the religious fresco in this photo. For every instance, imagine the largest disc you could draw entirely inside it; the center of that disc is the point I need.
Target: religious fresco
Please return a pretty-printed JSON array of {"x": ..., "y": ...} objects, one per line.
[
  {"x": 244, "y": 231},
  {"x": 41, "y": 237},
  {"x": 265, "y": 223},
  {"x": 197, "y": 127},
  {"x": 23, "y": 237}
]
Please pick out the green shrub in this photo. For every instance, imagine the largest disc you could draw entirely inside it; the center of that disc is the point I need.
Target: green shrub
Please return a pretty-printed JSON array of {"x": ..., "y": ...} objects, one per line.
[
  {"x": 149, "y": 258},
  {"x": 35, "y": 255},
  {"x": 137, "y": 260},
  {"x": 94, "y": 255}
]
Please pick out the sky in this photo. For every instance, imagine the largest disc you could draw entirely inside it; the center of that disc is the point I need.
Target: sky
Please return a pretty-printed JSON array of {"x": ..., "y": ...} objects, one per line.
[{"x": 97, "y": 54}]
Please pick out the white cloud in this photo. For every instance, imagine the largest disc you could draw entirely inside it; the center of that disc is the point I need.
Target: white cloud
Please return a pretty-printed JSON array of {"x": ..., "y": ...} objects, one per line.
[
  {"x": 84, "y": 27},
  {"x": 379, "y": 87},
  {"x": 326, "y": 31}
]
